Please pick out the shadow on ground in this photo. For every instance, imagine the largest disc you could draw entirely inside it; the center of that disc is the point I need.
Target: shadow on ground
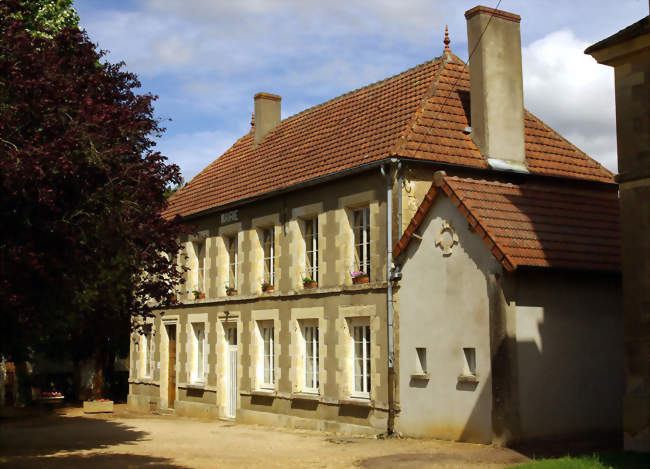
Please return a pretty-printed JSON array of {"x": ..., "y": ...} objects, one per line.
[
  {"x": 96, "y": 461},
  {"x": 35, "y": 436}
]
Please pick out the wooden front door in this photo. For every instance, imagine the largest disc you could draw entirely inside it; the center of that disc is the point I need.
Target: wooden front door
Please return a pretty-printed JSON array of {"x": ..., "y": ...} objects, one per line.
[{"x": 171, "y": 375}]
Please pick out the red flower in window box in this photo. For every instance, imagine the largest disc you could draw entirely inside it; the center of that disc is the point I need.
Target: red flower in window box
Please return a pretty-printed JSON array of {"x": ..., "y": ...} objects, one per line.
[{"x": 360, "y": 277}]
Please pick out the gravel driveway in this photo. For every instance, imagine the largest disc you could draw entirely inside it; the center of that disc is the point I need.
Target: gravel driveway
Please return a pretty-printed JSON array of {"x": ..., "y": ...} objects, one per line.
[{"x": 127, "y": 439}]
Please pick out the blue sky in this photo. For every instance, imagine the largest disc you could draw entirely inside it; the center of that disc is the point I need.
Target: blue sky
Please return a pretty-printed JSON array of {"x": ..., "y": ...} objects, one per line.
[{"x": 207, "y": 58}]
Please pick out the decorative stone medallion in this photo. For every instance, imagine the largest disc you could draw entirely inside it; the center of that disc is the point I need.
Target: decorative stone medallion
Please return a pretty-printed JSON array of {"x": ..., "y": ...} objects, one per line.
[{"x": 447, "y": 238}]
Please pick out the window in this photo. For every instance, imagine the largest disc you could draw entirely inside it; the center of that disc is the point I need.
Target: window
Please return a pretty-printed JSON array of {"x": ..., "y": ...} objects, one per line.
[
  {"x": 470, "y": 361},
  {"x": 268, "y": 245},
  {"x": 362, "y": 240},
  {"x": 232, "y": 248},
  {"x": 199, "y": 353},
  {"x": 310, "y": 357},
  {"x": 361, "y": 338},
  {"x": 268, "y": 359},
  {"x": 199, "y": 250},
  {"x": 147, "y": 351},
  {"x": 421, "y": 365},
  {"x": 311, "y": 248}
]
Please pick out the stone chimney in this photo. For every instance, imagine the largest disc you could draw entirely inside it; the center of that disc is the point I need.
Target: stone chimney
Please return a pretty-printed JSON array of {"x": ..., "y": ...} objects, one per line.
[
  {"x": 496, "y": 87},
  {"x": 267, "y": 114}
]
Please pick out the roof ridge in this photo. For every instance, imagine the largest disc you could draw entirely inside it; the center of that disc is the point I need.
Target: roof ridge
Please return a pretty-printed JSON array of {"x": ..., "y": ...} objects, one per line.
[
  {"x": 404, "y": 136},
  {"x": 449, "y": 57},
  {"x": 370, "y": 85},
  {"x": 530, "y": 185}
]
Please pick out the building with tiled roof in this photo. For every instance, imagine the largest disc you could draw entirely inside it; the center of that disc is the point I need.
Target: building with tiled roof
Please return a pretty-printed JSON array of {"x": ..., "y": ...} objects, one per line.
[{"x": 333, "y": 284}]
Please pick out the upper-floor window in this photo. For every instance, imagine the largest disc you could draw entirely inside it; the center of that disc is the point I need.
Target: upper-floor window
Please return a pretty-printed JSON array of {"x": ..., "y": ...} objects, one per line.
[
  {"x": 200, "y": 252},
  {"x": 268, "y": 245},
  {"x": 311, "y": 248},
  {"x": 233, "y": 260},
  {"x": 362, "y": 239}
]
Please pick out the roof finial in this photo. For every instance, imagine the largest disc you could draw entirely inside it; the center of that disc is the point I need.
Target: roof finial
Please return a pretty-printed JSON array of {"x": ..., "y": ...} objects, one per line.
[
  {"x": 252, "y": 119},
  {"x": 447, "y": 40}
]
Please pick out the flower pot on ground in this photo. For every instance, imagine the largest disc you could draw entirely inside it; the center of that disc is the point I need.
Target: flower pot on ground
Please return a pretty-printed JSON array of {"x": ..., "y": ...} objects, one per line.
[{"x": 173, "y": 299}]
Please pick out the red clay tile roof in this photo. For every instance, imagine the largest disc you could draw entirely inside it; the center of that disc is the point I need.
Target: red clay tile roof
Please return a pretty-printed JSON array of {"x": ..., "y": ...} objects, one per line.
[
  {"x": 541, "y": 225},
  {"x": 418, "y": 114}
]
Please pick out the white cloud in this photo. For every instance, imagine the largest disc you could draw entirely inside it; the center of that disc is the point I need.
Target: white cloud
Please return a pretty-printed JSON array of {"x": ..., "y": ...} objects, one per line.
[
  {"x": 572, "y": 93},
  {"x": 206, "y": 59}
]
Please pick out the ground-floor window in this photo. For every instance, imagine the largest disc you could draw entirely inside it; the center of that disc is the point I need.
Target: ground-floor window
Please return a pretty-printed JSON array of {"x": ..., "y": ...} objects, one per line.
[
  {"x": 268, "y": 353},
  {"x": 146, "y": 352},
  {"x": 198, "y": 352},
  {"x": 311, "y": 356},
  {"x": 361, "y": 357}
]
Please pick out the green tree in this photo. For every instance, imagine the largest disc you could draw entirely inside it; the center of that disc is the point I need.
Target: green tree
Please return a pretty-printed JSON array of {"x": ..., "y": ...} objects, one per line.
[{"x": 45, "y": 18}]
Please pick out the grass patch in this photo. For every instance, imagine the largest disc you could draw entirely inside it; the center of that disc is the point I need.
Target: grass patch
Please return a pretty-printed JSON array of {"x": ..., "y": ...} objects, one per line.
[{"x": 603, "y": 460}]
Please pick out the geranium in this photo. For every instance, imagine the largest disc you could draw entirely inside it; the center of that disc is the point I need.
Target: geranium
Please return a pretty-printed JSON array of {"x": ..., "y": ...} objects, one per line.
[{"x": 358, "y": 274}]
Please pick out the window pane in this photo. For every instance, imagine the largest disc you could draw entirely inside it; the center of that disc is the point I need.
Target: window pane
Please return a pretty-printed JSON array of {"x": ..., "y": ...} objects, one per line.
[
  {"x": 362, "y": 239},
  {"x": 267, "y": 336},
  {"x": 268, "y": 246},
  {"x": 231, "y": 244}
]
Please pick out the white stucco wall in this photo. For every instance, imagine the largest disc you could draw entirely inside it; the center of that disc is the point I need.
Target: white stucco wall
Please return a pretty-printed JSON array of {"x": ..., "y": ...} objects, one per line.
[
  {"x": 444, "y": 306},
  {"x": 561, "y": 358}
]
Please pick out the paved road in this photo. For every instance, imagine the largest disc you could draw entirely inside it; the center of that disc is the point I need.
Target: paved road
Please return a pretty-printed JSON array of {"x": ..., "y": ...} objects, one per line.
[{"x": 129, "y": 440}]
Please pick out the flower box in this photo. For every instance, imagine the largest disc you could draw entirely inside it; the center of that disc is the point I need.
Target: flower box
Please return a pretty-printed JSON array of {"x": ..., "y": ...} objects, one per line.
[
  {"x": 268, "y": 288},
  {"x": 231, "y": 292},
  {"x": 312, "y": 284},
  {"x": 360, "y": 279}
]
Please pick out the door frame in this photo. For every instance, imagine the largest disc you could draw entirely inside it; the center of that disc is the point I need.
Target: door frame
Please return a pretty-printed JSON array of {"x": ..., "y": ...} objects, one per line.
[
  {"x": 164, "y": 361},
  {"x": 228, "y": 321}
]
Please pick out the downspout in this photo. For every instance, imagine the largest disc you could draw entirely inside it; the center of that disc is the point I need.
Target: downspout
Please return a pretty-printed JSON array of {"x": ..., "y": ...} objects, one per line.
[{"x": 389, "y": 294}]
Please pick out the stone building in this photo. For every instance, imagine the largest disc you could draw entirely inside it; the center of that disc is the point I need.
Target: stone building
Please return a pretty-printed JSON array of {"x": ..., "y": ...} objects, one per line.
[
  {"x": 437, "y": 338},
  {"x": 628, "y": 51}
]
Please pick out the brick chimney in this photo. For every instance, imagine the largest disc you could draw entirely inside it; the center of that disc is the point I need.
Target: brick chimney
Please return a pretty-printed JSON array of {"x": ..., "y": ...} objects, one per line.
[
  {"x": 267, "y": 114},
  {"x": 496, "y": 87}
]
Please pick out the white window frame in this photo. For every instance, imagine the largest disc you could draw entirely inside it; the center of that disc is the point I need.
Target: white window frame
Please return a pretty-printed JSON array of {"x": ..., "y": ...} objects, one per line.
[
  {"x": 200, "y": 251},
  {"x": 267, "y": 354},
  {"x": 361, "y": 325},
  {"x": 311, "y": 248},
  {"x": 199, "y": 352},
  {"x": 308, "y": 328},
  {"x": 232, "y": 249},
  {"x": 147, "y": 366},
  {"x": 268, "y": 239},
  {"x": 361, "y": 238}
]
